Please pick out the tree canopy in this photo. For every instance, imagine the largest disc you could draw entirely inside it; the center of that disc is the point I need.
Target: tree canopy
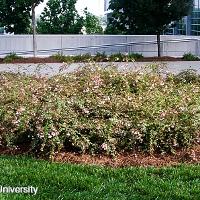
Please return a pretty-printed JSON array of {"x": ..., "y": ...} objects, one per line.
[
  {"x": 60, "y": 17},
  {"x": 145, "y": 16},
  {"x": 15, "y": 16},
  {"x": 92, "y": 23}
]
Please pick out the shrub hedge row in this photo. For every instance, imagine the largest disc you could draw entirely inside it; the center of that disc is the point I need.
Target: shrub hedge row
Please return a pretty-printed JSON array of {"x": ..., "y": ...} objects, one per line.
[{"x": 97, "y": 110}]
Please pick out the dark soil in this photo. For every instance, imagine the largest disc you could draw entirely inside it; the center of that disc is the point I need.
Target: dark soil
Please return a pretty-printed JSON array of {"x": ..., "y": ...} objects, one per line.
[
  {"x": 191, "y": 156},
  {"x": 53, "y": 60}
]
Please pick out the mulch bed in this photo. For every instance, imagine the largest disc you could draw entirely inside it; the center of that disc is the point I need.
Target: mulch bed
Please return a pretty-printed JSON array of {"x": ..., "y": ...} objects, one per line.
[
  {"x": 159, "y": 59},
  {"x": 191, "y": 156},
  {"x": 52, "y": 60},
  {"x": 32, "y": 60}
]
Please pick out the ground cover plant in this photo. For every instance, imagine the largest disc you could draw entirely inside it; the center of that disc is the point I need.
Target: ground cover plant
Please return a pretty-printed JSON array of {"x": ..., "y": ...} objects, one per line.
[
  {"x": 100, "y": 111},
  {"x": 99, "y": 57},
  {"x": 190, "y": 57},
  {"x": 66, "y": 181},
  {"x": 11, "y": 57},
  {"x": 86, "y": 58}
]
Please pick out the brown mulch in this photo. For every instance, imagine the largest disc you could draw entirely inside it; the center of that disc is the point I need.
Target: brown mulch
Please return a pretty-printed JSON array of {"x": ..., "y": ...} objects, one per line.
[
  {"x": 52, "y": 60},
  {"x": 191, "y": 156},
  {"x": 132, "y": 159},
  {"x": 159, "y": 59},
  {"x": 33, "y": 60}
]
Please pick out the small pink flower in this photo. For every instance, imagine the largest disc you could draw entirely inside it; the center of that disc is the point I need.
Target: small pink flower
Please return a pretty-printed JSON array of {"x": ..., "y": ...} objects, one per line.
[
  {"x": 97, "y": 81},
  {"x": 104, "y": 146},
  {"x": 86, "y": 111},
  {"x": 162, "y": 114}
]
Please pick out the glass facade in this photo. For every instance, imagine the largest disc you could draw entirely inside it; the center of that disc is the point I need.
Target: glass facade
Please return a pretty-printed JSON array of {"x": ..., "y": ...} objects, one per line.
[
  {"x": 189, "y": 25},
  {"x": 196, "y": 3}
]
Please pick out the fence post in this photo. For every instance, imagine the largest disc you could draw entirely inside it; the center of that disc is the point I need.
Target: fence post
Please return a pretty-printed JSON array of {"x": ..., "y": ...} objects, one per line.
[
  {"x": 162, "y": 48},
  {"x": 127, "y": 50},
  {"x": 197, "y": 48},
  {"x": 61, "y": 44}
]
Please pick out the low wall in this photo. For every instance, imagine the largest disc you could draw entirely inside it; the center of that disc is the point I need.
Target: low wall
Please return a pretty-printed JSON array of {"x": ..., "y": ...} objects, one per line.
[{"x": 81, "y": 44}]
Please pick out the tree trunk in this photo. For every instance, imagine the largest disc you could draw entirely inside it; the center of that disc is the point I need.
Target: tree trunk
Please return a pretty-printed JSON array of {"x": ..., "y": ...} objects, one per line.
[
  {"x": 158, "y": 44},
  {"x": 34, "y": 31}
]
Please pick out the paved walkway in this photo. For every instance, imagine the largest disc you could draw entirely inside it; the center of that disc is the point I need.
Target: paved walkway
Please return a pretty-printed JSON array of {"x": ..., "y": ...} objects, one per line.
[{"x": 55, "y": 68}]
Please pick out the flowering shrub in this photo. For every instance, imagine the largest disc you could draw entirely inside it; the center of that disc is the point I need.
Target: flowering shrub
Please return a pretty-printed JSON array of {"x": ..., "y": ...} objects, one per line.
[{"x": 97, "y": 110}]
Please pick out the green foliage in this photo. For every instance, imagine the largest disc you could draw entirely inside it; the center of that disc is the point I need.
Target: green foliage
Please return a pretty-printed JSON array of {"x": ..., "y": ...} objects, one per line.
[
  {"x": 62, "y": 58},
  {"x": 187, "y": 76},
  {"x": 99, "y": 57},
  {"x": 92, "y": 23},
  {"x": 99, "y": 110},
  {"x": 11, "y": 57},
  {"x": 145, "y": 16},
  {"x": 135, "y": 56},
  {"x": 60, "y": 17},
  {"x": 69, "y": 59},
  {"x": 58, "y": 57},
  {"x": 14, "y": 16},
  {"x": 119, "y": 57},
  {"x": 190, "y": 57},
  {"x": 67, "y": 181},
  {"x": 83, "y": 58}
]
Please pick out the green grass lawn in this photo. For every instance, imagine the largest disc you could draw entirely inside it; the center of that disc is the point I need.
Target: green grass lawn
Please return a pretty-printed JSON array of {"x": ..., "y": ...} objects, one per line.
[{"x": 67, "y": 181}]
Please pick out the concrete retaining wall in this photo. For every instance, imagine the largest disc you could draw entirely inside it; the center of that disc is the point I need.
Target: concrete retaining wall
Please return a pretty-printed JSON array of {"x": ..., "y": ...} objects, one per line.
[{"x": 171, "y": 46}]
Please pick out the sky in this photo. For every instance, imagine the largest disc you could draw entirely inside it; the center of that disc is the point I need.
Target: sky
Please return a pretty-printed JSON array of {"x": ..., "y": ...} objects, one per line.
[{"x": 94, "y": 6}]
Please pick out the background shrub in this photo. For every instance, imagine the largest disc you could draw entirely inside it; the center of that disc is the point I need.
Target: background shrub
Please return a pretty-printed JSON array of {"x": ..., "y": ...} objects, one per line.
[
  {"x": 119, "y": 57},
  {"x": 190, "y": 57},
  {"x": 99, "y": 57},
  {"x": 187, "y": 76},
  {"x": 11, "y": 57}
]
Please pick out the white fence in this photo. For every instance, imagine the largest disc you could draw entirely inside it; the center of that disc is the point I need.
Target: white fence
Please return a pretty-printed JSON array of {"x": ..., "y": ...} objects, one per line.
[{"x": 81, "y": 44}]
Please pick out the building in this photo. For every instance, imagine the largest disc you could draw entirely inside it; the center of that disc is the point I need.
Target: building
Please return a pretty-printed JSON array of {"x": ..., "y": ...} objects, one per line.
[
  {"x": 107, "y": 12},
  {"x": 106, "y": 5},
  {"x": 2, "y": 31},
  {"x": 189, "y": 25}
]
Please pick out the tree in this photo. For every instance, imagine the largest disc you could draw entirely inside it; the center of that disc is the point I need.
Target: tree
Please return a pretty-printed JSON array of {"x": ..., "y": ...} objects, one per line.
[
  {"x": 60, "y": 17},
  {"x": 146, "y": 16},
  {"x": 15, "y": 16},
  {"x": 91, "y": 23},
  {"x": 33, "y": 4}
]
